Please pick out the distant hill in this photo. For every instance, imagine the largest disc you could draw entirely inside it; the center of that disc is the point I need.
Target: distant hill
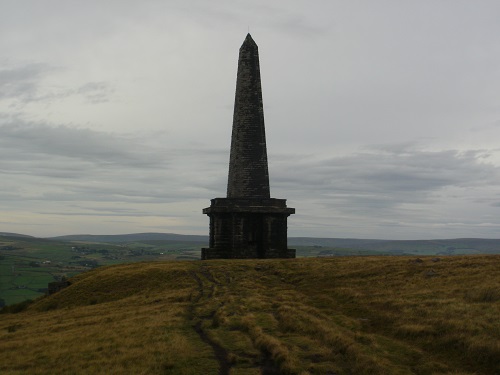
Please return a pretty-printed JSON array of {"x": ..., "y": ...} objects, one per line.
[
  {"x": 134, "y": 237},
  {"x": 443, "y": 247},
  {"x": 7, "y": 234},
  {"x": 439, "y": 247}
]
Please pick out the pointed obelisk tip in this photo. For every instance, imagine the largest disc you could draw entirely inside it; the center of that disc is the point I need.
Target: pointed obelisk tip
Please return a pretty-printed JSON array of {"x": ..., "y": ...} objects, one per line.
[{"x": 249, "y": 41}]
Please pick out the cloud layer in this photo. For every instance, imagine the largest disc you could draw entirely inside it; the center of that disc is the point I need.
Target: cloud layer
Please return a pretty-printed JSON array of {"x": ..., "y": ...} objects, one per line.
[{"x": 382, "y": 118}]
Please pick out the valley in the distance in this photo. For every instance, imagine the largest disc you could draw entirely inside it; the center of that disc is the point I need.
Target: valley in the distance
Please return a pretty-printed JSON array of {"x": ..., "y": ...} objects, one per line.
[{"x": 28, "y": 264}]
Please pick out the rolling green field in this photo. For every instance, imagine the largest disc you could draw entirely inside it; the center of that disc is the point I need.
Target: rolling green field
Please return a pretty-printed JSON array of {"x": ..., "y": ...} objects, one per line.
[{"x": 28, "y": 264}]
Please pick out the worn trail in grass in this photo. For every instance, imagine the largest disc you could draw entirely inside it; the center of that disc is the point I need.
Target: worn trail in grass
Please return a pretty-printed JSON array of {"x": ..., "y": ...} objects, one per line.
[{"x": 355, "y": 315}]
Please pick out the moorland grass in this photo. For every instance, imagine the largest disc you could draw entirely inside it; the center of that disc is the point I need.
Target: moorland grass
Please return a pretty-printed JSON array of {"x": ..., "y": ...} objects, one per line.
[{"x": 342, "y": 315}]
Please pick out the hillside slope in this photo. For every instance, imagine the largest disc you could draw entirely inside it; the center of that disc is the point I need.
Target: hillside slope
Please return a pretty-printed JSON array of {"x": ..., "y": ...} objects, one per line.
[
  {"x": 28, "y": 264},
  {"x": 344, "y": 315}
]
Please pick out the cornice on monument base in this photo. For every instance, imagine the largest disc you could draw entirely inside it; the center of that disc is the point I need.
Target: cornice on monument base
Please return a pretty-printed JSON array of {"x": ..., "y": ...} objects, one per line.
[{"x": 249, "y": 205}]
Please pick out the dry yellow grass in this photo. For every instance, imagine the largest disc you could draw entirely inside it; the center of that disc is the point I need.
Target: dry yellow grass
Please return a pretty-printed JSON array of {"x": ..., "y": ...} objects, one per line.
[{"x": 352, "y": 315}]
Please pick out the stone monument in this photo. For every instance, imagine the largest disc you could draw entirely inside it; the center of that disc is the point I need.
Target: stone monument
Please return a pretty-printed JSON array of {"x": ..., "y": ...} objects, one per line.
[{"x": 248, "y": 223}]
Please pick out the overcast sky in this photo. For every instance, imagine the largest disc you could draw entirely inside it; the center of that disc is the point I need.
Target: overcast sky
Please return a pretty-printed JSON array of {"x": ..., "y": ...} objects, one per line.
[{"x": 382, "y": 117}]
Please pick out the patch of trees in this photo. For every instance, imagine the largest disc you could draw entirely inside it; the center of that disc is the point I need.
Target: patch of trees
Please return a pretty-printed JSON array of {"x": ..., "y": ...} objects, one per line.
[
  {"x": 139, "y": 252},
  {"x": 8, "y": 247},
  {"x": 88, "y": 250},
  {"x": 92, "y": 263}
]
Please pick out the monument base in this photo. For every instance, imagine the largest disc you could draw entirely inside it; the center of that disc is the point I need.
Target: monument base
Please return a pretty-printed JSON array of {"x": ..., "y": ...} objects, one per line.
[{"x": 246, "y": 228}]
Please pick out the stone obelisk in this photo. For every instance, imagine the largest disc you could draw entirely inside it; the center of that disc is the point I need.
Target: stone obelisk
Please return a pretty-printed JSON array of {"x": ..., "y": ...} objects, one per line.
[
  {"x": 248, "y": 223},
  {"x": 248, "y": 174}
]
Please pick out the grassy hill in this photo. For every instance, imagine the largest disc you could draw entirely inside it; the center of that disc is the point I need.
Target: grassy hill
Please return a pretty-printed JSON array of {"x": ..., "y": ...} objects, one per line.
[
  {"x": 341, "y": 315},
  {"x": 28, "y": 264}
]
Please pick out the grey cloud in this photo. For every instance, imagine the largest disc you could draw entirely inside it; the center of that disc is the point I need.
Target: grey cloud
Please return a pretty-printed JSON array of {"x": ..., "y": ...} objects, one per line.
[
  {"x": 297, "y": 24},
  {"x": 40, "y": 142},
  {"x": 22, "y": 81},
  {"x": 91, "y": 93},
  {"x": 410, "y": 170},
  {"x": 24, "y": 84},
  {"x": 380, "y": 187},
  {"x": 108, "y": 213},
  {"x": 384, "y": 178},
  {"x": 65, "y": 164},
  {"x": 95, "y": 92}
]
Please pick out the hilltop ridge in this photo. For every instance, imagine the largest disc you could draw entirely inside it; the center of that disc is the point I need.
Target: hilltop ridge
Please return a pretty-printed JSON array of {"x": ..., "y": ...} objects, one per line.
[{"x": 363, "y": 315}]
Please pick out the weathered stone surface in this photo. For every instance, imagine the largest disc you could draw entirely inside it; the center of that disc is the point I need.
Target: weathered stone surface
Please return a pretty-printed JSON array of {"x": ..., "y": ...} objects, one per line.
[
  {"x": 248, "y": 228},
  {"x": 248, "y": 223},
  {"x": 248, "y": 172}
]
